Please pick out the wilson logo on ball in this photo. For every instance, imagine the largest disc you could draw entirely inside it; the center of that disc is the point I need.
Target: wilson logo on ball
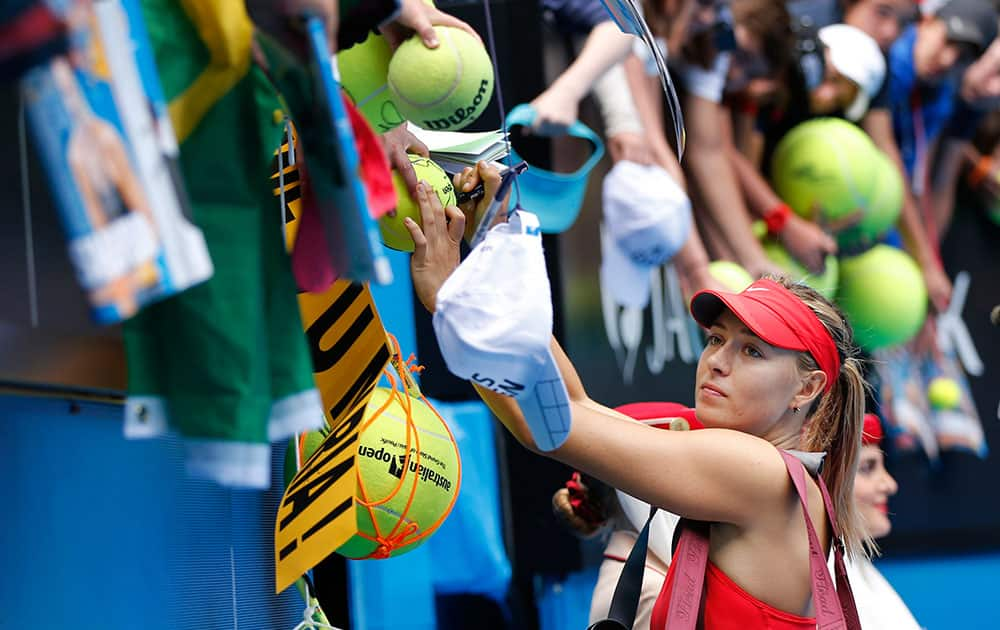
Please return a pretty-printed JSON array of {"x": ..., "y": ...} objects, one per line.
[{"x": 462, "y": 114}]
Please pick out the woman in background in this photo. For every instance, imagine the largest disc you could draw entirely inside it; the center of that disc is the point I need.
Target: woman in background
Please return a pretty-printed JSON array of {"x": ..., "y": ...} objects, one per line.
[{"x": 879, "y": 606}]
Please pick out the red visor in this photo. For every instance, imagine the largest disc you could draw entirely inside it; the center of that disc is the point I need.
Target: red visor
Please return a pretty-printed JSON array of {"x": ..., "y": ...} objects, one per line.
[
  {"x": 778, "y": 317},
  {"x": 872, "y": 434},
  {"x": 660, "y": 410}
]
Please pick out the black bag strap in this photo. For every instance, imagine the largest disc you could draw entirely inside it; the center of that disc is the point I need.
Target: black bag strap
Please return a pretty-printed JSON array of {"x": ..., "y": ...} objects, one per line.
[{"x": 625, "y": 601}]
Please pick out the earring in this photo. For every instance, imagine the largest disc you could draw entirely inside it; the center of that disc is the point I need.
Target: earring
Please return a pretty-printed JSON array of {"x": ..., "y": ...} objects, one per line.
[{"x": 795, "y": 409}]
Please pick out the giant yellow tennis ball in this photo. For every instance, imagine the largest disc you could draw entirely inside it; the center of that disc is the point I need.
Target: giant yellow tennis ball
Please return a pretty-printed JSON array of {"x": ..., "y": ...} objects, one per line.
[
  {"x": 885, "y": 201},
  {"x": 732, "y": 275},
  {"x": 825, "y": 164},
  {"x": 394, "y": 232},
  {"x": 363, "y": 70},
  {"x": 944, "y": 393},
  {"x": 402, "y": 495},
  {"x": 444, "y": 88},
  {"x": 825, "y": 283},
  {"x": 882, "y": 292}
]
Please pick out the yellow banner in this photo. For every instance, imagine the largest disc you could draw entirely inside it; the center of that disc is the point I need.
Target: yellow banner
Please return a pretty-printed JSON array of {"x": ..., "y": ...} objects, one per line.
[{"x": 349, "y": 349}]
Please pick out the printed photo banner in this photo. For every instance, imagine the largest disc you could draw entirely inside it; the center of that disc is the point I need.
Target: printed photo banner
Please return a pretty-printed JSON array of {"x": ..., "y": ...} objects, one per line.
[
  {"x": 349, "y": 349},
  {"x": 100, "y": 125}
]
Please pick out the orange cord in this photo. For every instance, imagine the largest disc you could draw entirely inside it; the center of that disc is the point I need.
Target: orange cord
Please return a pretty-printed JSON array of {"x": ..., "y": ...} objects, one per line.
[{"x": 396, "y": 538}]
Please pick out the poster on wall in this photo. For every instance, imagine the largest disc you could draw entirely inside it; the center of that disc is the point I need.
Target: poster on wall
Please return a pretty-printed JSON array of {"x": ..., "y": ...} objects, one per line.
[{"x": 99, "y": 123}]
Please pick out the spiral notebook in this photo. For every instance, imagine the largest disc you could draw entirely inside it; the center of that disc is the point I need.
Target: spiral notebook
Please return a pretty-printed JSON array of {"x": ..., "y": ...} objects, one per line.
[{"x": 455, "y": 150}]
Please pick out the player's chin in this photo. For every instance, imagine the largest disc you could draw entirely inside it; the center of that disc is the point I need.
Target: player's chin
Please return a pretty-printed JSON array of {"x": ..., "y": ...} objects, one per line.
[{"x": 710, "y": 412}]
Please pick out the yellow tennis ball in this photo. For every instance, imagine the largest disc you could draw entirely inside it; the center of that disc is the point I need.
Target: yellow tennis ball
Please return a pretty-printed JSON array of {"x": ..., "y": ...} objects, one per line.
[
  {"x": 825, "y": 163},
  {"x": 885, "y": 202},
  {"x": 394, "y": 232},
  {"x": 363, "y": 70},
  {"x": 883, "y": 294},
  {"x": 443, "y": 88},
  {"x": 824, "y": 283},
  {"x": 407, "y": 496},
  {"x": 944, "y": 393},
  {"x": 732, "y": 275}
]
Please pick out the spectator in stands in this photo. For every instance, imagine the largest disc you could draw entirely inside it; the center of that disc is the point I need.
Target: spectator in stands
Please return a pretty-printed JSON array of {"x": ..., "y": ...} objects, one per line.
[
  {"x": 598, "y": 68},
  {"x": 853, "y": 72},
  {"x": 934, "y": 113},
  {"x": 879, "y": 606}
]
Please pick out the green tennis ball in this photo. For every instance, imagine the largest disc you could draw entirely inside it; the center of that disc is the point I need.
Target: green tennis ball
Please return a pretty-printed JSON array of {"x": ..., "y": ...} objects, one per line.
[
  {"x": 732, "y": 275},
  {"x": 363, "y": 70},
  {"x": 409, "y": 496},
  {"x": 882, "y": 292},
  {"x": 944, "y": 393},
  {"x": 825, "y": 283},
  {"x": 444, "y": 88},
  {"x": 825, "y": 164},
  {"x": 884, "y": 205},
  {"x": 394, "y": 232},
  {"x": 308, "y": 443}
]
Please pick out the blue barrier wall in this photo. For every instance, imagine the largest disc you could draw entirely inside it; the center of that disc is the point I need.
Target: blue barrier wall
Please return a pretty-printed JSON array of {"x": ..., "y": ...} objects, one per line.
[
  {"x": 99, "y": 532},
  {"x": 949, "y": 591}
]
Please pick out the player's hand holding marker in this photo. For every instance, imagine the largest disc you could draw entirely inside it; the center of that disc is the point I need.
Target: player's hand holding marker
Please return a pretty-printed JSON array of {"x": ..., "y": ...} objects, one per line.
[
  {"x": 493, "y": 312},
  {"x": 436, "y": 243},
  {"x": 437, "y": 237}
]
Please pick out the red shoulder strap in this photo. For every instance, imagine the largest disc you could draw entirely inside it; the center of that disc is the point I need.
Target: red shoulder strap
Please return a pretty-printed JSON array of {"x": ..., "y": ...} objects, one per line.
[
  {"x": 691, "y": 559},
  {"x": 830, "y": 614}
]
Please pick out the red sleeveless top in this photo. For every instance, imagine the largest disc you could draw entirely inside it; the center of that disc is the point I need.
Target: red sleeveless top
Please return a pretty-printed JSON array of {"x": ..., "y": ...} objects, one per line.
[
  {"x": 729, "y": 607},
  {"x": 726, "y": 606}
]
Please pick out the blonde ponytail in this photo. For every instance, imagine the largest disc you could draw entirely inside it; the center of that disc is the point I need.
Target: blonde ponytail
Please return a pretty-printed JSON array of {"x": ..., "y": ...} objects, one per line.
[{"x": 836, "y": 419}]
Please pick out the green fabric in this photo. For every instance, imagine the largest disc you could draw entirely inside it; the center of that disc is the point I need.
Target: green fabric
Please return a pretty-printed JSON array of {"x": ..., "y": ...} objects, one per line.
[
  {"x": 180, "y": 54},
  {"x": 220, "y": 354}
]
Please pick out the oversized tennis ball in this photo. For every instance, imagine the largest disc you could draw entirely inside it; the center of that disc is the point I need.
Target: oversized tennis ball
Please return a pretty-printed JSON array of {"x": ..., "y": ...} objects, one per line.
[
  {"x": 363, "y": 70},
  {"x": 944, "y": 393},
  {"x": 882, "y": 292},
  {"x": 825, "y": 165},
  {"x": 825, "y": 283},
  {"x": 444, "y": 88},
  {"x": 394, "y": 233},
  {"x": 732, "y": 275},
  {"x": 408, "y": 497},
  {"x": 885, "y": 202},
  {"x": 307, "y": 444}
]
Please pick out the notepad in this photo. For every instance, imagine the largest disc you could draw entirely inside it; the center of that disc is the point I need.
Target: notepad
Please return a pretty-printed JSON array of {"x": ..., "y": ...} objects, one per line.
[{"x": 454, "y": 150}]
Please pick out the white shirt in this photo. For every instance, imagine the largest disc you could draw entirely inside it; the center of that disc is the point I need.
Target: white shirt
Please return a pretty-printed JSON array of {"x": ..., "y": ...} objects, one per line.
[
  {"x": 879, "y": 606},
  {"x": 707, "y": 84}
]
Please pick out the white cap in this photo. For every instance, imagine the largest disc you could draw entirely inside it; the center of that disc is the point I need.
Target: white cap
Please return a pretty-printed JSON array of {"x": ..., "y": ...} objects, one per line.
[
  {"x": 647, "y": 218},
  {"x": 857, "y": 56},
  {"x": 494, "y": 326}
]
